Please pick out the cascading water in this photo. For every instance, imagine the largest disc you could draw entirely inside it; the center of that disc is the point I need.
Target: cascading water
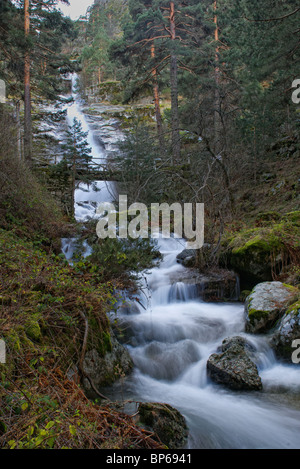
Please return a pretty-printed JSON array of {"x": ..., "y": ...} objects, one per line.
[
  {"x": 171, "y": 333},
  {"x": 170, "y": 342},
  {"x": 87, "y": 197}
]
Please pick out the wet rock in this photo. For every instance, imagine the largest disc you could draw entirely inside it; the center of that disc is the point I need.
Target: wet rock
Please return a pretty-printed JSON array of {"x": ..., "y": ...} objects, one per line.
[
  {"x": 167, "y": 361},
  {"x": 234, "y": 367},
  {"x": 128, "y": 308},
  {"x": 187, "y": 257},
  {"x": 266, "y": 304},
  {"x": 166, "y": 422},
  {"x": 108, "y": 369},
  {"x": 213, "y": 285},
  {"x": 287, "y": 332}
]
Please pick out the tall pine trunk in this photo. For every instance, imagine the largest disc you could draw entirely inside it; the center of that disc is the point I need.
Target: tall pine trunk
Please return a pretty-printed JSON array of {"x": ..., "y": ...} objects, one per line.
[
  {"x": 217, "y": 105},
  {"x": 174, "y": 90},
  {"x": 18, "y": 127},
  {"x": 27, "y": 93},
  {"x": 159, "y": 122},
  {"x": 73, "y": 182}
]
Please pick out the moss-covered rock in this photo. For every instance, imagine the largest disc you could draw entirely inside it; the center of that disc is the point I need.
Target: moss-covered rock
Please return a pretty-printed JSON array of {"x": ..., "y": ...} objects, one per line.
[
  {"x": 33, "y": 330},
  {"x": 167, "y": 423},
  {"x": 271, "y": 247},
  {"x": 266, "y": 304},
  {"x": 107, "y": 368},
  {"x": 288, "y": 331}
]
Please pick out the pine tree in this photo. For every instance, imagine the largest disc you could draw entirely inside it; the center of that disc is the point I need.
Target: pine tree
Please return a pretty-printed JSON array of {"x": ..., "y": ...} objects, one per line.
[
  {"x": 158, "y": 35},
  {"x": 75, "y": 165},
  {"x": 31, "y": 35}
]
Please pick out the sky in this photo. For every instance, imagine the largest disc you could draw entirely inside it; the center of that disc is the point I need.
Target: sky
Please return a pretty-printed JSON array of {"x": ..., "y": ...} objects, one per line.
[{"x": 76, "y": 8}]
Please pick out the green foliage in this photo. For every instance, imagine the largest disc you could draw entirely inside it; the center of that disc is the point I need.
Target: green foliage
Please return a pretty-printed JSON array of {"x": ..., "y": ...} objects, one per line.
[
  {"x": 117, "y": 258},
  {"x": 25, "y": 205},
  {"x": 75, "y": 166},
  {"x": 103, "y": 28},
  {"x": 49, "y": 31},
  {"x": 137, "y": 161}
]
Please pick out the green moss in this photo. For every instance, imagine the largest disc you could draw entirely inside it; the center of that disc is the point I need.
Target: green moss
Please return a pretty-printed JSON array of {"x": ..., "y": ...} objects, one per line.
[
  {"x": 263, "y": 243},
  {"x": 107, "y": 346},
  {"x": 255, "y": 314},
  {"x": 272, "y": 248},
  {"x": 13, "y": 340},
  {"x": 244, "y": 295},
  {"x": 293, "y": 217},
  {"x": 294, "y": 308},
  {"x": 33, "y": 330}
]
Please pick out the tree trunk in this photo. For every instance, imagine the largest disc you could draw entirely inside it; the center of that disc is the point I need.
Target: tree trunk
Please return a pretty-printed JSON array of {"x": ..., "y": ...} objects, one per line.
[
  {"x": 73, "y": 185},
  {"x": 18, "y": 126},
  {"x": 157, "y": 105},
  {"x": 174, "y": 91},
  {"x": 27, "y": 94},
  {"x": 217, "y": 111}
]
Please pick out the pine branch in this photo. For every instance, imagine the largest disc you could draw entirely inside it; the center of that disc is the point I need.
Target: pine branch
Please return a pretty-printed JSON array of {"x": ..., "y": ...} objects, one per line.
[{"x": 274, "y": 19}]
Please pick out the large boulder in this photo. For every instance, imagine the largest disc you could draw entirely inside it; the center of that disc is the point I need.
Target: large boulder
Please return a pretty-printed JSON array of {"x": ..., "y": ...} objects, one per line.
[
  {"x": 105, "y": 370},
  {"x": 166, "y": 422},
  {"x": 287, "y": 332},
  {"x": 266, "y": 304},
  {"x": 234, "y": 366},
  {"x": 256, "y": 253}
]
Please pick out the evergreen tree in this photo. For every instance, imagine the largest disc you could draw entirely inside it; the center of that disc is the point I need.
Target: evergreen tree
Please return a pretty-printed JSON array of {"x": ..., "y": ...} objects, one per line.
[
  {"x": 77, "y": 158},
  {"x": 103, "y": 27},
  {"x": 159, "y": 34},
  {"x": 32, "y": 34},
  {"x": 75, "y": 166}
]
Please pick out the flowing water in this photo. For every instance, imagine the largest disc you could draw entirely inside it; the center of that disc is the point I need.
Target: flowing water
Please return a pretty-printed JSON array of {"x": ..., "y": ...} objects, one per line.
[
  {"x": 170, "y": 333},
  {"x": 88, "y": 197}
]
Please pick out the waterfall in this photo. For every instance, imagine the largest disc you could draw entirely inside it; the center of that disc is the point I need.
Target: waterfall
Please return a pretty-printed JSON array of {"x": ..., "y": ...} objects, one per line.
[
  {"x": 88, "y": 197},
  {"x": 171, "y": 338}
]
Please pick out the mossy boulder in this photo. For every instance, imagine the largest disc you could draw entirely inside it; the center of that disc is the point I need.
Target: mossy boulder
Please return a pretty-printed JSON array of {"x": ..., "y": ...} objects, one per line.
[
  {"x": 166, "y": 422},
  {"x": 33, "y": 330},
  {"x": 288, "y": 331},
  {"x": 234, "y": 367},
  {"x": 272, "y": 246},
  {"x": 108, "y": 368},
  {"x": 266, "y": 304},
  {"x": 252, "y": 253}
]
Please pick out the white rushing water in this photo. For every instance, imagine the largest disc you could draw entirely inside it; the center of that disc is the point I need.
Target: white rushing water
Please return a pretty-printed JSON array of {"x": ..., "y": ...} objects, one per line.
[
  {"x": 87, "y": 198},
  {"x": 170, "y": 342},
  {"x": 170, "y": 339}
]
